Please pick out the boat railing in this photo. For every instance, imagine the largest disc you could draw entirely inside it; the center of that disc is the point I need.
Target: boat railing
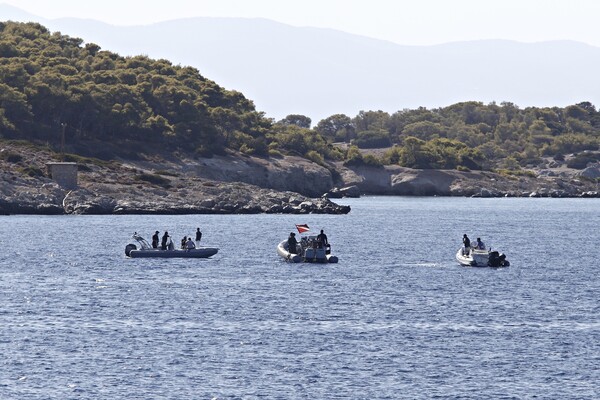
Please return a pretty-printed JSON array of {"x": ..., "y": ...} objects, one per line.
[{"x": 143, "y": 242}]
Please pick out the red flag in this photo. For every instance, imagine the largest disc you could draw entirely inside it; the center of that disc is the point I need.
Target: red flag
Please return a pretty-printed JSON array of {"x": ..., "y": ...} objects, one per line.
[{"x": 302, "y": 228}]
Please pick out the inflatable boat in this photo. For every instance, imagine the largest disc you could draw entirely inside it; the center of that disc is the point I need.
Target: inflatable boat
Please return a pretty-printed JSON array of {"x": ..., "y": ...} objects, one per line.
[
  {"x": 146, "y": 251},
  {"x": 307, "y": 251},
  {"x": 481, "y": 258}
]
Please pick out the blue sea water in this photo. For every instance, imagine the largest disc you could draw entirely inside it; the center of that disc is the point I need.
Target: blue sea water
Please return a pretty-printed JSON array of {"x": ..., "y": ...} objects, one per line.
[{"x": 397, "y": 318}]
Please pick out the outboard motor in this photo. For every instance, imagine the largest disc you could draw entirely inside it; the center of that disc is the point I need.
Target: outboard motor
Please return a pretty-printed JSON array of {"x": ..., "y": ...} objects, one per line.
[
  {"x": 494, "y": 259},
  {"x": 128, "y": 249},
  {"x": 497, "y": 260},
  {"x": 503, "y": 261}
]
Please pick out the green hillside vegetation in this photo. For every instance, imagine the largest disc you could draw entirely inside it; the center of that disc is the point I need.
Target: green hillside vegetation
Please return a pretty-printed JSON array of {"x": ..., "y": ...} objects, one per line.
[
  {"x": 69, "y": 95},
  {"x": 51, "y": 84},
  {"x": 470, "y": 135}
]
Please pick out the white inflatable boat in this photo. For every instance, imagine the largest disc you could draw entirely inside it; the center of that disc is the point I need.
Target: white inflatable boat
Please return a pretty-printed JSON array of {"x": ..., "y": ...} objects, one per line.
[
  {"x": 307, "y": 251},
  {"x": 481, "y": 258}
]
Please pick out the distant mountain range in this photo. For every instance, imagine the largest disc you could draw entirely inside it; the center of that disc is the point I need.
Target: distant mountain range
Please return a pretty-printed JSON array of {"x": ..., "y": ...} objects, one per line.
[{"x": 319, "y": 72}]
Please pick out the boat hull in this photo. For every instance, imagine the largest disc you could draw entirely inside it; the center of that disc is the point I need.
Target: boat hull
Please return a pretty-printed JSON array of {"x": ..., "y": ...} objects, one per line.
[
  {"x": 204, "y": 252},
  {"x": 310, "y": 255},
  {"x": 481, "y": 258}
]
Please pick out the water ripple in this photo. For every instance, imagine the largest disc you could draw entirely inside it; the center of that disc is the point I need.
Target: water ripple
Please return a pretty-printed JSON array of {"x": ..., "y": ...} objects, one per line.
[{"x": 396, "y": 318}]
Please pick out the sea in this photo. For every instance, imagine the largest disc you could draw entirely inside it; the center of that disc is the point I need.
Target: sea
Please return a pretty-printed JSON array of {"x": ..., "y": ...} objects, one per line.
[{"x": 396, "y": 318}]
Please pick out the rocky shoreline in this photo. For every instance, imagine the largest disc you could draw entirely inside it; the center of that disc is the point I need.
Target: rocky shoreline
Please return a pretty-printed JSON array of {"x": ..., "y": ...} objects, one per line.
[
  {"x": 399, "y": 181},
  {"x": 244, "y": 185},
  {"x": 51, "y": 199},
  {"x": 143, "y": 187}
]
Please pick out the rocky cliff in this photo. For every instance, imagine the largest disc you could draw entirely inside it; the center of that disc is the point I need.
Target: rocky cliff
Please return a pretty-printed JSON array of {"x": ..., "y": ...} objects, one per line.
[{"x": 399, "y": 181}]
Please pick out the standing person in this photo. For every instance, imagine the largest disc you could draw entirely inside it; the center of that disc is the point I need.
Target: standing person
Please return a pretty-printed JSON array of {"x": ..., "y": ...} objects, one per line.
[
  {"x": 163, "y": 242},
  {"x": 292, "y": 244},
  {"x": 322, "y": 239},
  {"x": 466, "y": 244},
  {"x": 155, "y": 240},
  {"x": 198, "y": 237}
]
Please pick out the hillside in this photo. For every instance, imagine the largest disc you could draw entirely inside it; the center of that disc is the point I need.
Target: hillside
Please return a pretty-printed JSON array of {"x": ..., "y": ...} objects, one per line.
[
  {"x": 150, "y": 136},
  {"x": 54, "y": 88},
  {"x": 320, "y": 72}
]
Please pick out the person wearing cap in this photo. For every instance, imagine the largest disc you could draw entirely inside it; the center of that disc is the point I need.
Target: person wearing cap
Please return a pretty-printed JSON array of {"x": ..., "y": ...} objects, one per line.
[
  {"x": 292, "y": 244},
  {"x": 155, "y": 240},
  {"x": 467, "y": 244}
]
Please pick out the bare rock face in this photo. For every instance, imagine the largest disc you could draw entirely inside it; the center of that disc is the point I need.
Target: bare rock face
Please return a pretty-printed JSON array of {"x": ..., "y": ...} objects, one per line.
[
  {"x": 592, "y": 172},
  {"x": 285, "y": 174},
  {"x": 422, "y": 183},
  {"x": 83, "y": 201},
  {"x": 399, "y": 181}
]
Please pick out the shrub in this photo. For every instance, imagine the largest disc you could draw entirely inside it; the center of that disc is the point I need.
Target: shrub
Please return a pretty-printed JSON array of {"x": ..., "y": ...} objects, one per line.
[
  {"x": 371, "y": 161},
  {"x": 275, "y": 153},
  {"x": 353, "y": 157},
  {"x": 372, "y": 139},
  {"x": 315, "y": 157},
  {"x": 518, "y": 172}
]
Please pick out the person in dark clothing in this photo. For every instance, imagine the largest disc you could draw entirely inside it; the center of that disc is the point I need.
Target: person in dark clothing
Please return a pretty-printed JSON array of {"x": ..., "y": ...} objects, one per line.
[
  {"x": 198, "y": 237},
  {"x": 163, "y": 242},
  {"x": 155, "y": 240},
  {"x": 184, "y": 242},
  {"x": 322, "y": 238},
  {"x": 466, "y": 244},
  {"x": 292, "y": 243},
  {"x": 322, "y": 241}
]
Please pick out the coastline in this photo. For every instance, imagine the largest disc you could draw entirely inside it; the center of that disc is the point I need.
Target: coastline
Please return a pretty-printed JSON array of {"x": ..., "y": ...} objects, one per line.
[{"x": 239, "y": 184}]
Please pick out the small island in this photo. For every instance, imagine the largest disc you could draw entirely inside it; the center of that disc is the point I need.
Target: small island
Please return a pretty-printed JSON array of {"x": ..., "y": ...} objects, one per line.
[{"x": 147, "y": 136}]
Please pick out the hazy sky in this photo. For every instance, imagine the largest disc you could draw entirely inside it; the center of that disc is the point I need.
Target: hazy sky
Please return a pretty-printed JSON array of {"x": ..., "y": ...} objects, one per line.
[{"x": 402, "y": 21}]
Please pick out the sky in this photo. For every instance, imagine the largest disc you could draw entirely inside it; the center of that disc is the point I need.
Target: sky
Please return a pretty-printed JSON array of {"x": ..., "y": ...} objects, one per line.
[{"x": 408, "y": 22}]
